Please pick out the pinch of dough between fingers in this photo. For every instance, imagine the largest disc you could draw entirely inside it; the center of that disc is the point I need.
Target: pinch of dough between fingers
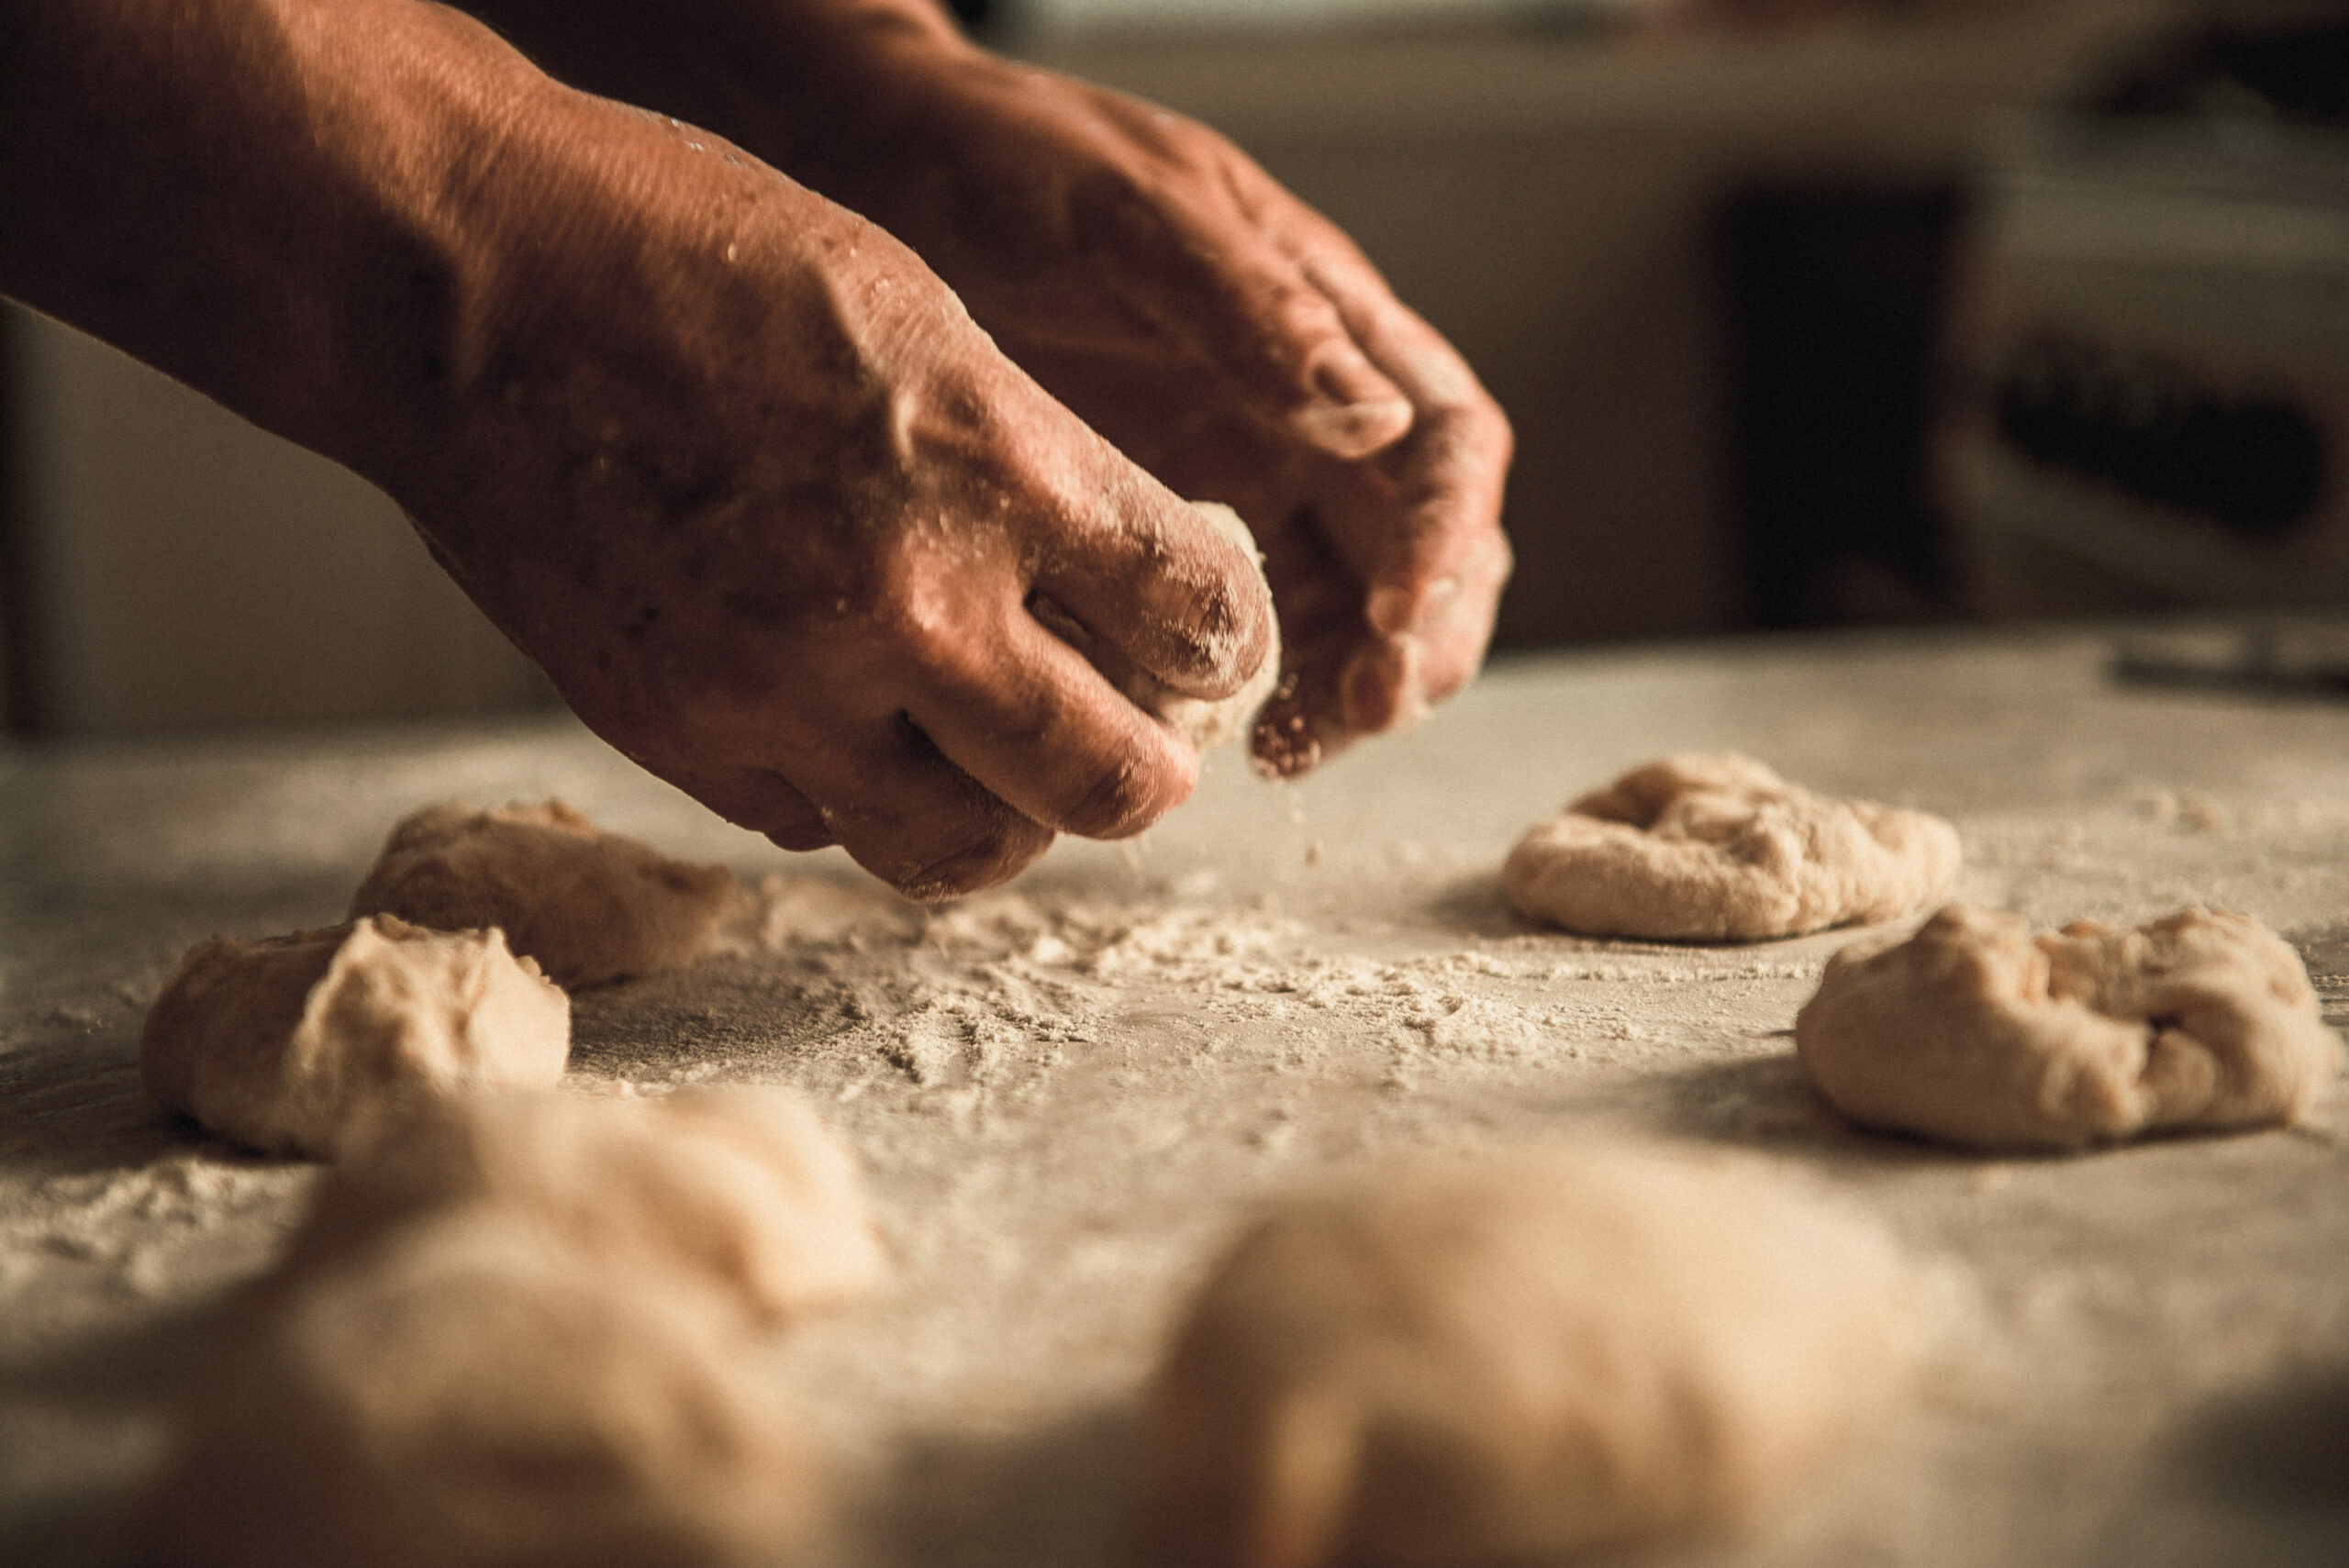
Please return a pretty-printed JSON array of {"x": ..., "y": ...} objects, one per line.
[
  {"x": 1207, "y": 723},
  {"x": 296, "y": 1045},
  {"x": 1720, "y": 847},
  {"x": 1515, "y": 1360},
  {"x": 590, "y": 906},
  {"x": 1975, "y": 1032}
]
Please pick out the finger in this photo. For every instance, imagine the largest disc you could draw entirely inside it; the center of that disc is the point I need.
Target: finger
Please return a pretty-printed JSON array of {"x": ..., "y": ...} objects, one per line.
[
  {"x": 1302, "y": 725},
  {"x": 1241, "y": 304},
  {"x": 1432, "y": 557},
  {"x": 1153, "y": 578},
  {"x": 1022, "y": 713},
  {"x": 1447, "y": 481},
  {"x": 911, "y": 817},
  {"x": 764, "y": 800}
]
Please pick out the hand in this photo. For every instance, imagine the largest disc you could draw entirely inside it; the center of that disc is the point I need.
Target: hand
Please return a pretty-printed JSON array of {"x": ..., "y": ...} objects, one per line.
[
  {"x": 770, "y": 509},
  {"x": 1224, "y": 336}
]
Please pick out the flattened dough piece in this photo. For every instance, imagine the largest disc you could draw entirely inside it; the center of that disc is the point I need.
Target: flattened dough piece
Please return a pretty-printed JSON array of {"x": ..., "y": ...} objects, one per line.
[
  {"x": 742, "y": 1190},
  {"x": 295, "y": 1045},
  {"x": 1206, "y": 724},
  {"x": 591, "y": 906},
  {"x": 1700, "y": 848},
  {"x": 1513, "y": 1361},
  {"x": 472, "y": 1394},
  {"x": 1976, "y": 1032}
]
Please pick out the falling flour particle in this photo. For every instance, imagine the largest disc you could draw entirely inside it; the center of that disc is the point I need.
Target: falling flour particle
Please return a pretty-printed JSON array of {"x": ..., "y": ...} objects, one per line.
[
  {"x": 1513, "y": 1360},
  {"x": 472, "y": 1394},
  {"x": 740, "y": 1190},
  {"x": 590, "y": 906},
  {"x": 1976, "y": 1032},
  {"x": 1719, "y": 847},
  {"x": 294, "y": 1045}
]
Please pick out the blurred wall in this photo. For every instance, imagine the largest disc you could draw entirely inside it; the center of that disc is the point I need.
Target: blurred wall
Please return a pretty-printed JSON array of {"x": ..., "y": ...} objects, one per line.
[{"x": 188, "y": 569}]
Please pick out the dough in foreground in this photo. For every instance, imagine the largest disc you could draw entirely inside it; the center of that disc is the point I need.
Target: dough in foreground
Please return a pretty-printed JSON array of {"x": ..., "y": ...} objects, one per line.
[
  {"x": 1976, "y": 1032},
  {"x": 1514, "y": 1360},
  {"x": 1205, "y": 724},
  {"x": 742, "y": 1190},
  {"x": 474, "y": 1395},
  {"x": 295, "y": 1045},
  {"x": 591, "y": 906},
  {"x": 1700, "y": 848}
]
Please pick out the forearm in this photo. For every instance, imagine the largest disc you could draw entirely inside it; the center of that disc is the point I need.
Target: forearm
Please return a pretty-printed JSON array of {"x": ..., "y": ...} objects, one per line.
[
  {"x": 802, "y": 83},
  {"x": 273, "y": 200}
]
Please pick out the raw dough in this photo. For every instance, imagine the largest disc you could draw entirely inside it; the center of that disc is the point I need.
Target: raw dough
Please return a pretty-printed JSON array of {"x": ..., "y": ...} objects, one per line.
[
  {"x": 741, "y": 1189},
  {"x": 1515, "y": 1360},
  {"x": 1976, "y": 1032},
  {"x": 472, "y": 1394},
  {"x": 294, "y": 1045},
  {"x": 738, "y": 1188},
  {"x": 589, "y": 905},
  {"x": 1205, "y": 724},
  {"x": 1711, "y": 847}
]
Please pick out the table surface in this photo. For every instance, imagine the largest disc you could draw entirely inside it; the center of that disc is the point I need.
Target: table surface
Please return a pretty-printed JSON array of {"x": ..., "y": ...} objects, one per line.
[{"x": 1066, "y": 1092}]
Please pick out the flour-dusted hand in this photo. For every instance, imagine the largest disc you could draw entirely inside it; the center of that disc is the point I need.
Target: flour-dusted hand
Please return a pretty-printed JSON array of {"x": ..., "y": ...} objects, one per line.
[
  {"x": 1220, "y": 332},
  {"x": 775, "y": 514}
]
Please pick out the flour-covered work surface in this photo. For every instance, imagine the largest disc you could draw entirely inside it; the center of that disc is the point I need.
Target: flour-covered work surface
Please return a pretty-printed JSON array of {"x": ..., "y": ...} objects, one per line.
[{"x": 1068, "y": 1095}]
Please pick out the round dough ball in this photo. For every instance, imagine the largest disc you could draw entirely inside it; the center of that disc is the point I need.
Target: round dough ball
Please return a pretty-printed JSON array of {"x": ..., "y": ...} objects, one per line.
[
  {"x": 295, "y": 1045},
  {"x": 1205, "y": 724},
  {"x": 1976, "y": 1032},
  {"x": 473, "y": 1395},
  {"x": 1713, "y": 848},
  {"x": 741, "y": 1190},
  {"x": 591, "y": 906},
  {"x": 1516, "y": 1360}
]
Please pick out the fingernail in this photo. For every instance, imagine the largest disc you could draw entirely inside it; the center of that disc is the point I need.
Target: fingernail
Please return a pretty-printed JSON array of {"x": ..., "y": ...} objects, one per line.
[
  {"x": 1380, "y": 689},
  {"x": 1391, "y": 609},
  {"x": 1345, "y": 377},
  {"x": 1350, "y": 431},
  {"x": 1359, "y": 410},
  {"x": 1394, "y": 610}
]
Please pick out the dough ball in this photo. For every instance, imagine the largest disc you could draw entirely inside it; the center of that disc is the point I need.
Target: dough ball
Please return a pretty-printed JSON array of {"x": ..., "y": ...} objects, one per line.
[
  {"x": 1711, "y": 848},
  {"x": 1976, "y": 1032},
  {"x": 1516, "y": 1360},
  {"x": 591, "y": 906},
  {"x": 1207, "y": 724},
  {"x": 473, "y": 1395},
  {"x": 294, "y": 1045},
  {"x": 741, "y": 1190}
]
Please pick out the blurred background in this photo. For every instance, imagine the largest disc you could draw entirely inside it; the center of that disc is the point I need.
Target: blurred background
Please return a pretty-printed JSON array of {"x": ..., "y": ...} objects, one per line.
[{"x": 1808, "y": 313}]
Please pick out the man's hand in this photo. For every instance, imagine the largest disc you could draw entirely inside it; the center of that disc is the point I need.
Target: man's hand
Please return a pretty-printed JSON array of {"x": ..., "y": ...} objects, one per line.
[
  {"x": 731, "y": 463},
  {"x": 1224, "y": 336},
  {"x": 773, "y": 512}
]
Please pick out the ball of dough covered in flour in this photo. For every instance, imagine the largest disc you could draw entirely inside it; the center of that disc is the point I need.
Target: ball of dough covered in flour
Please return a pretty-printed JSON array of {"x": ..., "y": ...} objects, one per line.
[
  {"x": 1976, "y": 1032},
  {"x": 741, "y": 1190},
  {"x": 473, "y": 1395},
  {"x": 1516, "y": 1360},
  {"x": 591, "y": 906},
  {"x": 1719, "y": 847},
  {"x": 1206, "y": 723},
  {"x": 294, "y": 1045}
]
